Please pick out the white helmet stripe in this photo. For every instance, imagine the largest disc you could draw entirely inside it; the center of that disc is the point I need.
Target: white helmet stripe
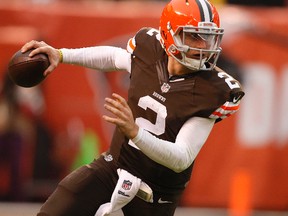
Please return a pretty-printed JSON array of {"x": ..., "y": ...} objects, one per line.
[{"x": 205, "y": 10}]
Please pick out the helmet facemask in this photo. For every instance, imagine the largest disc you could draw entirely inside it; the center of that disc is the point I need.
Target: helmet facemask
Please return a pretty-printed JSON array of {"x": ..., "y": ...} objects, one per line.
[{"x": 195, "y": 46}]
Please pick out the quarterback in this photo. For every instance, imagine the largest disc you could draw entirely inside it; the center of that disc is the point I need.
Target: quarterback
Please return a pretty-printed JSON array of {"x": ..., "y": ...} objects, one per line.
[{"x": 176, "y": 95}]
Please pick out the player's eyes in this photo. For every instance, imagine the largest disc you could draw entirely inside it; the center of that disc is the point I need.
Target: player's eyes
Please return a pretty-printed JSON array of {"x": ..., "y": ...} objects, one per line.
[{"x": 194, "y": 36}]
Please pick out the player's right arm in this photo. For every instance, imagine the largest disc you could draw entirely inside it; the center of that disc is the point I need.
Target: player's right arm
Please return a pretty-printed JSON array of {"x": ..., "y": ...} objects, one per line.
[{"x": 105, "y": 58}]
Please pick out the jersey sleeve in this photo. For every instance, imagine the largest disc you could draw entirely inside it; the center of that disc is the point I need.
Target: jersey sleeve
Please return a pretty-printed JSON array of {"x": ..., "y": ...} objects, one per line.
[
  {"x": 233, "y": 98},
  {"x": 226, "y": 110},
  {"x": 145, "y": 45}
]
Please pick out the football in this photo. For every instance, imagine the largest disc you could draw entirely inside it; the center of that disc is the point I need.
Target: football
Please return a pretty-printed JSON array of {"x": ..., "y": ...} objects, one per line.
[{"x": 27, "y": 71}]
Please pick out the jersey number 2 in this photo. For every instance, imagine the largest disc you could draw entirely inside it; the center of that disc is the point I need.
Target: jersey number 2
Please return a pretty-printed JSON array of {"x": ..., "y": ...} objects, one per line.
[
  {"x": 156, "y": 128},
  {"x": 231, "y": 82}
]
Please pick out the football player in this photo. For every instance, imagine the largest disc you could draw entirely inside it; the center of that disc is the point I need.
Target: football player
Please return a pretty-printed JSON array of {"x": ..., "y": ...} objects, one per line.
[{"x": 176, "y": 95}]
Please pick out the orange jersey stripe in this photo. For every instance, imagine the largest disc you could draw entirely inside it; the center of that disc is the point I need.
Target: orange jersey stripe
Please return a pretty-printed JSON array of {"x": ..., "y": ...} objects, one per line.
[
  {"x": 226, "y": 110},
  {"x": 130, "y": 44},
  {"x": 230, "y": 107},
  {"x": 221, "y": 115}
]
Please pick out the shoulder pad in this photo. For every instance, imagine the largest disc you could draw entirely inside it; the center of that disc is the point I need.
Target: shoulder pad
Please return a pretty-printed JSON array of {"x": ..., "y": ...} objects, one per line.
[{"x": 146, "y": 46}]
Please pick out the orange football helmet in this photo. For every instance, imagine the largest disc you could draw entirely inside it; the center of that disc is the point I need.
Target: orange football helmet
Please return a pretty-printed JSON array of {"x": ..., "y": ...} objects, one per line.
[{"x": 190, "y": 32}]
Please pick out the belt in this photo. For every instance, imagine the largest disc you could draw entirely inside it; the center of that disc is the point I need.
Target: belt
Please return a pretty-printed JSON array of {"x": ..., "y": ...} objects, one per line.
[{"x": 145, "y": 193}]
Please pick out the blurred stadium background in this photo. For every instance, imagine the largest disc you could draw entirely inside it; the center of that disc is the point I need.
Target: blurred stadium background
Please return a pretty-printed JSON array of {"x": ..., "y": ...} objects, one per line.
[{"x": 49, "y": 130}]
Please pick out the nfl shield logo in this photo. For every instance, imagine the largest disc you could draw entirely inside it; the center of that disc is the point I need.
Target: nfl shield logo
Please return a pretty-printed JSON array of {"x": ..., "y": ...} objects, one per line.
[
  {"x": 165, "y": 87},
  {"x": 126, "y": 185}
]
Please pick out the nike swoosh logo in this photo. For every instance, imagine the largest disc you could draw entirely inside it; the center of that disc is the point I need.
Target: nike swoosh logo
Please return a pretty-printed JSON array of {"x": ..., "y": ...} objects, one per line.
[
  {"x": 236, "y": 99},
  {"x": 163, "y": 201}
]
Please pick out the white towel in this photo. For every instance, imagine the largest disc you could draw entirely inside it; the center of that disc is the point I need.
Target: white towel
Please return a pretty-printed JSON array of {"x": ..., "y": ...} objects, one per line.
[{"x": 125, "y": 190}]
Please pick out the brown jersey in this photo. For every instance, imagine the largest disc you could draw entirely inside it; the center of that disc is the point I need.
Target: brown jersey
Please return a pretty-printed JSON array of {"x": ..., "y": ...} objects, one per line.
[{"x": 162, "y": 104}]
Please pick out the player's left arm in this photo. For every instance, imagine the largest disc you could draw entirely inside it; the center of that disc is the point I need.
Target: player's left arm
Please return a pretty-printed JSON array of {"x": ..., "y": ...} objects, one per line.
[{"x": 178, "y": 155}]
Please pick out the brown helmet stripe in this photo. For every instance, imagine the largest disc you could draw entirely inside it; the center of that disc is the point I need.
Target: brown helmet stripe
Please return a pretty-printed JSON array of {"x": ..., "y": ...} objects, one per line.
[{"x": 205, "y": 10}]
